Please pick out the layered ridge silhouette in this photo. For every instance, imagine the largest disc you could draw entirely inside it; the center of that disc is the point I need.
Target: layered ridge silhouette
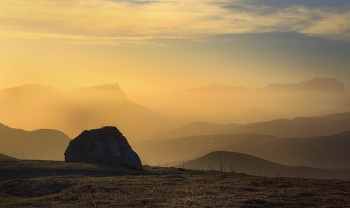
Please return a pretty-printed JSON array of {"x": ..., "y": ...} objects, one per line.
[
  {"x": 243, "y": 163},
  {"x": 320, "y": 151},
  {"x": 297, "y": 127},
  {"x": 44, "y": 144},
  {"x": 34, "y": 107},
  {"x": 224, "y": 103}
]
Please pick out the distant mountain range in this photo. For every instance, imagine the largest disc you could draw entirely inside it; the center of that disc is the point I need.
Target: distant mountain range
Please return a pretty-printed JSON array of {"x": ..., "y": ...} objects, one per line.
[
  {"x": 317, "y": 84},
  {"x": 320, "y": 151},
  {"x": 43, "y": 144},
  {"x": 252, "y": 116},
  {"x": 35, "y": 107},
  {"x": 298, "y": 127},
  {"x": 196, "y": 139},
  {"x": 196, "y": 129},
  {"x": 243, "y": 163},
  {"x": 318, "y": 96}
]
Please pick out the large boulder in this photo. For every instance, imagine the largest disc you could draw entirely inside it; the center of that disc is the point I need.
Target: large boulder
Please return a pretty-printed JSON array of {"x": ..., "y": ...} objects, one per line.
[{"x": 104, "y": 145}]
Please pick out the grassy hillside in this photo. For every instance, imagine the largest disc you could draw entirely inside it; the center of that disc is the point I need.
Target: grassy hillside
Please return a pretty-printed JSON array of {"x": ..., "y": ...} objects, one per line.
[{"x": 164, "y": 187}]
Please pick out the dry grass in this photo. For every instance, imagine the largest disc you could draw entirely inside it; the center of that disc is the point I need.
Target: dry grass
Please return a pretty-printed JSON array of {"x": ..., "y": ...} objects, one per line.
[{"x": 173, "y": 187}]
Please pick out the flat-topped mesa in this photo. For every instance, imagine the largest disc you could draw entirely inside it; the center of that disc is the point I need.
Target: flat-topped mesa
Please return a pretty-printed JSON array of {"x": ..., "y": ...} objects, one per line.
[{"x": 104, "y": 145}]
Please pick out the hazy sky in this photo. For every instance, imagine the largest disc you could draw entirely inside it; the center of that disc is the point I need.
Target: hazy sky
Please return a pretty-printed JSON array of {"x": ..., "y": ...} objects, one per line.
[{"x": 165, "y": 45}]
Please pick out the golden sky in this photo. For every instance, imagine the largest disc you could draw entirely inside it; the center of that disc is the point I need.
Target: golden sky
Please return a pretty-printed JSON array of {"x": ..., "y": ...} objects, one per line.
[{"x": 157, "y": 46}]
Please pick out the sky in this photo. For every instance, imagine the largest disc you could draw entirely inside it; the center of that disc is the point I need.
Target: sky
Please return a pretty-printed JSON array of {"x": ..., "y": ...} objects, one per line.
[{"x": 160, "y": 46}]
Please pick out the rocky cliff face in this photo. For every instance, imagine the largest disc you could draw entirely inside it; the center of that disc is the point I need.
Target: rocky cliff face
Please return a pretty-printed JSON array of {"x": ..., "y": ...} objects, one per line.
[{"x": 105, "y": 145}]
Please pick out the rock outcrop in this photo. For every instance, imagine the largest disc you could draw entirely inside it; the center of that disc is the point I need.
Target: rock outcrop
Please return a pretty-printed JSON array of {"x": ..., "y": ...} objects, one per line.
[{"x": 104, "y": 145}]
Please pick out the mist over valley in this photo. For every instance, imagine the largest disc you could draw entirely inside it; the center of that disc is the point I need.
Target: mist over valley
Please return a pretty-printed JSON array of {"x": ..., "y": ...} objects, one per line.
[
  {"x": 138, "y": 103},
  {"x": 228, "y": 122}
]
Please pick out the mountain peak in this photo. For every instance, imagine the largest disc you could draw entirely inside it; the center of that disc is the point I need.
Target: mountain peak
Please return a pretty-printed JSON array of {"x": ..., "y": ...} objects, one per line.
[
  {"x": 29, "y": 87},
  {"x": 330, "y": 84},
  {"x": 2, "y": 126},
  {"x": 217, "y": 87},
  {"x": 113, "y": 88}
]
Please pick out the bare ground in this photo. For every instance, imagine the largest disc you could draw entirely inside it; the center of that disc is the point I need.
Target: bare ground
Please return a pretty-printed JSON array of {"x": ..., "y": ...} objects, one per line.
[{"x": 165, "y": 187}]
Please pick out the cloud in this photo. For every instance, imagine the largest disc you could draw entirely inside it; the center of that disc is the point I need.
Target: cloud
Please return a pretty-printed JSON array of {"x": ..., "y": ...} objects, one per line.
[
  {"x": 288, "y": 3},
  {"x": 118, "y": 21},
  {"x": 332, "y": 25},
  {"x": 136, "y": 1}
]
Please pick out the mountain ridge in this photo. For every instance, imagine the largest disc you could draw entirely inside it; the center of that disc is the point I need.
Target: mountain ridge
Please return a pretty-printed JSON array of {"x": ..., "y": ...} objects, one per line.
[
  {"x": 282, "y": 127},
  {"x": 298, "y": 126},
  {"x": 6, "y": 157},
  {"x": 316, "y": 84},
  {"x": 219, "y": 102},
  {"x": 83, "y": 108},
  {"x": 195, "y": 129},
  {"x": 45, "y": 144},
  {"x": 244, "y": 163},
  {"x": 79, "y": 109},
  {"x": 319, "y": 152}
]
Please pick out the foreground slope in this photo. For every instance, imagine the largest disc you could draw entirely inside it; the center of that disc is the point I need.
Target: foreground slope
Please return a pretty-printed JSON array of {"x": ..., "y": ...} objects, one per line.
[
  {"x": 171, "y": 187},
  {"x": 42, "y": 144},
  {"x": 243, "y": 163}
]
